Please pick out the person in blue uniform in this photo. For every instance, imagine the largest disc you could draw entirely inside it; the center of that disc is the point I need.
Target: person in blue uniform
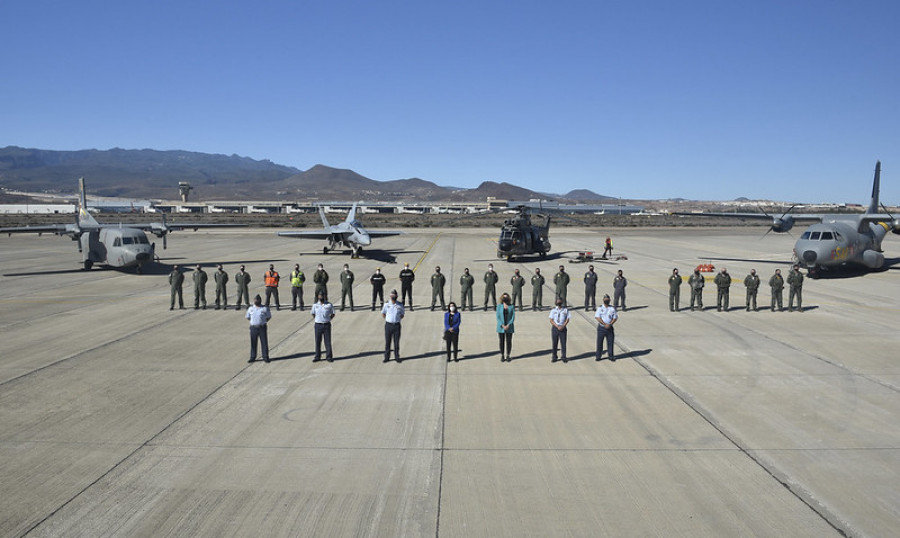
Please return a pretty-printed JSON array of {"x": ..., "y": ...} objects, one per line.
[
  {"x": 392, "y": 312},
  {"x": 259, "y": 316}
]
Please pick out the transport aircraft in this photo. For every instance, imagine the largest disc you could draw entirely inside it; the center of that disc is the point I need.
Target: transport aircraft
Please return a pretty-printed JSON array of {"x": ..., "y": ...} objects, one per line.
[
  {"x": 119, "y": 245},
  {"x": 835, "y": 240},
  {"x": 349, "y": 233}
]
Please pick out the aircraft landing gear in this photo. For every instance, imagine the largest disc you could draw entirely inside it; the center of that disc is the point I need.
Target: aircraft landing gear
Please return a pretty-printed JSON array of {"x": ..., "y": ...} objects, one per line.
[
  {"x": 355, "y": 252},
  {"x": 324, "y": 250},
  {"x": 88, "y": 264}
]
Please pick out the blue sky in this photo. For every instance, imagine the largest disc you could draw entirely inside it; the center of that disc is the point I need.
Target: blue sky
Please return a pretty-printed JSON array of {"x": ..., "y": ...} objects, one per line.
[{"x": 785, "y": 100}]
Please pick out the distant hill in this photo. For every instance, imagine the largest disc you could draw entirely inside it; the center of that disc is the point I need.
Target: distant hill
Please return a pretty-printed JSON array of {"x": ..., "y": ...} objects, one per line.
[
  {"x": 154, "y": 174},
  {"x": 141, "y": 173},
  {"x": 584, "y": 195}
]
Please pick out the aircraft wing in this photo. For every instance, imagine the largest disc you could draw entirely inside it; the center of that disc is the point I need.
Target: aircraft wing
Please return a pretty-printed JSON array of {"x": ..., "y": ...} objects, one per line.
[
  {"x": 308, "y": 234},
  {"x": 58, "y": 229},
  {"x": 877, "y": 217},
  {"x": 155, "y": 227},
  {"x": 812, "y": 217},
  {"x": 383, "y": 233}
]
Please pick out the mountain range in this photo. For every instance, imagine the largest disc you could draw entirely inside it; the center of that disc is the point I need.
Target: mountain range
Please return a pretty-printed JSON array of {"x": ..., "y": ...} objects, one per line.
[{"x": 155, "y": 174}]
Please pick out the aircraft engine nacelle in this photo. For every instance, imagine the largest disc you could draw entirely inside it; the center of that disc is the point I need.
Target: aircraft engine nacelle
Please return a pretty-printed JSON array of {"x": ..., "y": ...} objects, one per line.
[
  {"x": 782, "y": 224},
  {"x": 873, "y": 259}
]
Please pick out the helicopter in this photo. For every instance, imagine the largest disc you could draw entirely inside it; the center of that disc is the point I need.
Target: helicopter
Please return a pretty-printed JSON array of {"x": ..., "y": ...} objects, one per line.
[{"x": 519, "y": 237}]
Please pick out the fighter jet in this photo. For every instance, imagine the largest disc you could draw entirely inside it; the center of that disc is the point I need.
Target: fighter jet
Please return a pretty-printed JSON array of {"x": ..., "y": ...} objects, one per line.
[
  {"x": 118, "y": 245},
  {"x": 836, "y": 239},
  {"x": 349, "y": 233}
]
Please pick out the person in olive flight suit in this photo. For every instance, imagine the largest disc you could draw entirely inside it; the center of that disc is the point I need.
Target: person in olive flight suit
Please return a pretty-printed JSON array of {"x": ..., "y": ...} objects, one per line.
[
  {"x": 466, "y": 283},
  {"x": 751, "y": 282},
  {"x": 537, "y": 290},
  {"x": 407, "y": 276},
  {"x": 242, "y": 280},
  {"x": 776, "y": 283},
  {"x": 795, "y": 281},
  {"x": 674, "y": 290},
  {"x": 561, "y": 280},
  {"x": 176, "y": 280},
  {"x": 320, "y": 278},
  {"x": 723, "y": 286},
  {"x": 490, "y": 286},
  {"x": 437, "y": 287},
  {"x": 200, "y": 279},
  {"x": 221, "y": 278},
  {"x": 517, "y": 282},
  {"x": 696, "y": 282},
  {"x": 297, "y": 280},
  {"x": 619, "y": 284},
  {"x": 347, "y": 279},
  {"x": 590, "y": 289},
  {"x": 377, "y": 280}
]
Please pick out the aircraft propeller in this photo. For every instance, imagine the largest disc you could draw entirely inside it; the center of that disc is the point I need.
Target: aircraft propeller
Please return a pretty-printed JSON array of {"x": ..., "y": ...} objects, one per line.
[
  {"x": 781, "y": 224},
  {"x": 76, "y": 233},
  {"x": 895, "y": 222},
  {"x": 161, "y": 230}
]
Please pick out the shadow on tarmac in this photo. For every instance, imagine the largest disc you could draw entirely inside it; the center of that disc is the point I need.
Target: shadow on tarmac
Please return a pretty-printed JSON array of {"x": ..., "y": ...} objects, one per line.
[
  {"x": 375, "y": 254},
  {"x": 631, "y": 354}
]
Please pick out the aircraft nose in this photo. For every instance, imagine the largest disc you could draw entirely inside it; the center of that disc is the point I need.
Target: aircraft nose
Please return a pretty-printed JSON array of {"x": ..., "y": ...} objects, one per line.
[
  {"x": 142, "y": 256},
  {"x": 365, "y": 240},
  {"x": 810, "y": 256}
]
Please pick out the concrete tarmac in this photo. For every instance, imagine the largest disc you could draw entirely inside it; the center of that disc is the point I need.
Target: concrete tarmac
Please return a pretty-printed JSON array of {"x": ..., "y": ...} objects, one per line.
[{"x": 119, "y": 417}]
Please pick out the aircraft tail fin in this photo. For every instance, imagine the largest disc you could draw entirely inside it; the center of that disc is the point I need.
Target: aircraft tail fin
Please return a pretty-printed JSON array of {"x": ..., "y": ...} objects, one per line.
[
  {"x": 324, "y": 220},
  {"x": 84, "y": 216},
  {"x": 351, "y": 215},
  {"x": 876, "y": 187}
]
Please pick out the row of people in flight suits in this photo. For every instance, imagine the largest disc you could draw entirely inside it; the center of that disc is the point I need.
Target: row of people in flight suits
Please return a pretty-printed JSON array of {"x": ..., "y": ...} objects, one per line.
[
  {"x": 561, "y": 280},
  {"x": 407, "y": 276}
]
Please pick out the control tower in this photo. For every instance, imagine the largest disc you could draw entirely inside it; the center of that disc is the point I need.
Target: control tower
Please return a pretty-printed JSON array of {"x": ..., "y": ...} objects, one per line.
[{"x": 184, "y": 188}]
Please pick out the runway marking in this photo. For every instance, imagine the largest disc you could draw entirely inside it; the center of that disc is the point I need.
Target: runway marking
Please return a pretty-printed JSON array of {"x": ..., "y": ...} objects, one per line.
[
  {"x": 800, "y": 492},
  {"x": 427, "y": 251}
]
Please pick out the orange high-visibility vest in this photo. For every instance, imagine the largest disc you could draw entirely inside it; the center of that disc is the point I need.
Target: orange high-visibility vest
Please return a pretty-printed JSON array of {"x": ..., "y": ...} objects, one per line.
[{"x": 272, "y": 279}]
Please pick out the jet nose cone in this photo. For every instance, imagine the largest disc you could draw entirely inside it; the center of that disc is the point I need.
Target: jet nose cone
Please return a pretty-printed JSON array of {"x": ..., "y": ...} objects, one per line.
[
  {"x": 810, "y": 256},
  {"x": 365, "y": 240}
]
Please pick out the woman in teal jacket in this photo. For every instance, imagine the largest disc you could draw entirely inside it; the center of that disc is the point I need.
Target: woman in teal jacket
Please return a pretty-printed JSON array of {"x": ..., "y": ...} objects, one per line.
[{"x": 506, "y": 317}]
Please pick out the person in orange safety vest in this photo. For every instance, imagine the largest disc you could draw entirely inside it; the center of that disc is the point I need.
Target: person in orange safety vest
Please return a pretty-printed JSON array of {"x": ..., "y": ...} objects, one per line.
[{"x": 271, "y": 279}]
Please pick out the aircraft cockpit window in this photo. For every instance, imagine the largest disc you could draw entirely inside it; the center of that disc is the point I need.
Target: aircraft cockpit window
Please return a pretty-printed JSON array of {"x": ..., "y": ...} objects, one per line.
[
  {"x": 805, "y": 235},
  {"x": 355, "y": 223},
  {"x": 815, "y": 236},
  {"x": 827, "y": 236},
  {"x": 126, "y": 240},
  {"x": 117, "y": 242},
  {"x": 838, "y": 236},
  {"x": 142, "y": 239},
  {"x": 506, "y": 235}
]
